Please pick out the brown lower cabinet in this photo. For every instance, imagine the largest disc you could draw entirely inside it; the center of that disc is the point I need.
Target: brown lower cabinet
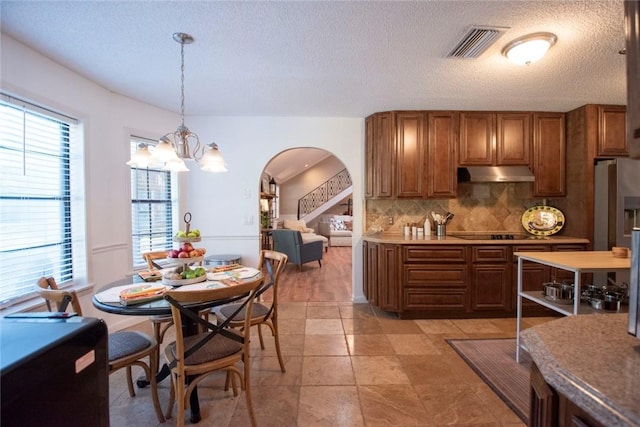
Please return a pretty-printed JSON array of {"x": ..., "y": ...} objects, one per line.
[
  {"x": 454, "y": 281},
  {"x": 552, "y": 409},
  {"x": 434, "y": 279}
]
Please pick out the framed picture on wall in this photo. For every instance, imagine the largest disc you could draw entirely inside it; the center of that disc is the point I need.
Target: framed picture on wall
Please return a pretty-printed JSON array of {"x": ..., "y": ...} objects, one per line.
[{"x": 264, "y": 186}]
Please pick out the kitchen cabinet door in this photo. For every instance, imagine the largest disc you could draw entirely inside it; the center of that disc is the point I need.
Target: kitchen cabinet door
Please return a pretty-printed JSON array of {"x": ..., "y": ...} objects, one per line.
[
  {"x": 388, "y": 277},
  {"x": 370, "y": 272},
  {"x": 513, "y": 139},
  {"x": 491, "y": 279},
  {"x": 410, "y": 154},
  {"x": 491, "y": 287},
  {"x": 544, "y": 401},
  {"x": 369, "y": 127},
  {"x": 549, "y": 155},
  {"x": 477, "y": 139},
  {"x": 612, "y": 131},
  {"x": 384, "y": 155},
  {"x": 442, "y": 142}
]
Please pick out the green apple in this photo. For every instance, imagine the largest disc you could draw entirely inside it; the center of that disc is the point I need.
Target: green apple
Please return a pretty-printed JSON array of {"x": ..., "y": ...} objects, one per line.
[
  {"x": 181, "y": 234},
  {"x": 191, "y": 234}
]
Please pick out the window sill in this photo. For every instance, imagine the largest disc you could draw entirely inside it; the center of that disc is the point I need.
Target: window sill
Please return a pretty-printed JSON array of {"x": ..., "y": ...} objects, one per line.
[{"x": 36, "y": 303}]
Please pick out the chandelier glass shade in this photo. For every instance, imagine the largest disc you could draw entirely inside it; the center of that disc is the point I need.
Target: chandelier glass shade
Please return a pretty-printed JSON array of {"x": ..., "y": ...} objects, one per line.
[
  {"x": 530, "y": 48},
  {"x": 174, "y": 148}
]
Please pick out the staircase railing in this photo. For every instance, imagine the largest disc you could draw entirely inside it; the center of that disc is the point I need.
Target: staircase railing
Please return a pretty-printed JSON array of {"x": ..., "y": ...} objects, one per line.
[{"x": 323, "y": 193}]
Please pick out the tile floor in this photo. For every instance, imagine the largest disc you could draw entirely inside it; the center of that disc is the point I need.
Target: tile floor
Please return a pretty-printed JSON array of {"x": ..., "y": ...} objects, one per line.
[{"x": 347, "y": 365}]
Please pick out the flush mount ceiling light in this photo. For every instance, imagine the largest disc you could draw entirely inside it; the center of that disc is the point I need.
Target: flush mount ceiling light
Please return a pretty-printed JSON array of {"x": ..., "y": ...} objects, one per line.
[
  {"x": 530, "y": 48},
  {"x": 173, "y": 148}
]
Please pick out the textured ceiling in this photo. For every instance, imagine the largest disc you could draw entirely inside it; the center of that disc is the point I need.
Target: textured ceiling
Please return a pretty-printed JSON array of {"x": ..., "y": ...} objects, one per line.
[{"x": 329, "y": 58}]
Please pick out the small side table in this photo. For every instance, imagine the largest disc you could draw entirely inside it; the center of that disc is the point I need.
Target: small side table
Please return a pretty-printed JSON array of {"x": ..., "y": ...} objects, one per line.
[{"x": 217, "y": 260}]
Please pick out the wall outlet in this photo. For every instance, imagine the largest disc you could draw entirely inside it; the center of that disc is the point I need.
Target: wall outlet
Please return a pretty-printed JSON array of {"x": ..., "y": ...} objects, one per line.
[{"x": 390, "y": 220}]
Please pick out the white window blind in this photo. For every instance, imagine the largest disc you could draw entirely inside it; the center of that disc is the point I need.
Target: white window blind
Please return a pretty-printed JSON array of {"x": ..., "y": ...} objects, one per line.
[
  {"x": 35, "y": 198},
  {"x": 151, "y": 209}
]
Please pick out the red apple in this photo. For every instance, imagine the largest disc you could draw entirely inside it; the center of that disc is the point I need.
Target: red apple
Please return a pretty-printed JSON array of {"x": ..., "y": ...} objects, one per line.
[
  {"x": 183, "y": 255},
  {"x": 174, "y": 253}
]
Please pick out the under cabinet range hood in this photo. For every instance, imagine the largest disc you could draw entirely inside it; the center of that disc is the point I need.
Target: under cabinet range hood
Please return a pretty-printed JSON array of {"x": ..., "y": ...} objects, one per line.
[{"x": 495, "y": 174}]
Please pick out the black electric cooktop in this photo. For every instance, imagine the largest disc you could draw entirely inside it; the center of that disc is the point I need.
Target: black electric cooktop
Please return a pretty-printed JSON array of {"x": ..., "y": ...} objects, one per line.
[{"x": 498, "y": 236}]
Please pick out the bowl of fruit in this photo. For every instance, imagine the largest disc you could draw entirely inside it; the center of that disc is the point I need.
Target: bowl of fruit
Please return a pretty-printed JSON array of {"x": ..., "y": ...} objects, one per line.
[
  {"x": 186, "y": 254},
  {"x": 184, "y": 275},
  {"x": 187, "y": 235}
]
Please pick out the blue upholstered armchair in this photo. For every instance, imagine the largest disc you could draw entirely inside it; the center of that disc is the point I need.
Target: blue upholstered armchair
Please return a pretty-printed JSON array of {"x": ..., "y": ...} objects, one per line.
[{"x": 290, "y": 242}]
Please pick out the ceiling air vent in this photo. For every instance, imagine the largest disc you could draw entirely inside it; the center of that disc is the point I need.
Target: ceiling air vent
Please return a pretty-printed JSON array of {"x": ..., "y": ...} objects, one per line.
[{"x": 476, "y": 41}]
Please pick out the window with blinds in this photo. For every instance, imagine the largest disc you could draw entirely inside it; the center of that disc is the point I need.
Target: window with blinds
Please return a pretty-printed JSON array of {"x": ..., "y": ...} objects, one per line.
[
  {"x": 35, "y": 198},
  {"x": 151, "y": 209}
]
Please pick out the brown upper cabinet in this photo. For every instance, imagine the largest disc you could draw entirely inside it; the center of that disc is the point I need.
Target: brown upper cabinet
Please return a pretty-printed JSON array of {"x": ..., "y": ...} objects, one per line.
[
  {"x": 495, "y": 139},
  {"x": 441, "y": 157},
  {"x": 380, "y": 155},
  {"x": 477, "y": 139},
  {"x": 612, "y": 131},
  {"x": 412, "y": 153},
  {"x": 415, "y": 154},
  {"x": 513, "y": 139},
  {"x": 549, "y": 155}
]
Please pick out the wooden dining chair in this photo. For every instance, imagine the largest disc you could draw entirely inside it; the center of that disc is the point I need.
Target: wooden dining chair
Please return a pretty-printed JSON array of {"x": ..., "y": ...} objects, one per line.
[
  {"x": 193, "y": 358},
  {"x": 126, "y": 348},
  {"x": 160, "y": 323},
  {"x": 265, "y": 310}
]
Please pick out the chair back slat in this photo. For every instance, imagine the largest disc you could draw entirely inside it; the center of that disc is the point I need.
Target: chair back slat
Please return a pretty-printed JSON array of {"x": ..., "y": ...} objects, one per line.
[
  {"x": 273, "y": 263},
  {"x": 62, "y": 299},
  {"x": 182, "y": 301}
]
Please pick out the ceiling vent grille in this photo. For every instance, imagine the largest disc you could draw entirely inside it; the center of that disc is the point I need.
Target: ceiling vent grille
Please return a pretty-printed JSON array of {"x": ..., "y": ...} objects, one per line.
[{"x": 476, "y": 41}]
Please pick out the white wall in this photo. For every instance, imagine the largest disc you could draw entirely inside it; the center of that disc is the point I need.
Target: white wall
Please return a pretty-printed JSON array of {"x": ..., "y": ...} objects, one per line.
[
  {"x": 223, "y": 206},
  {"x": 298, "y": 186}
]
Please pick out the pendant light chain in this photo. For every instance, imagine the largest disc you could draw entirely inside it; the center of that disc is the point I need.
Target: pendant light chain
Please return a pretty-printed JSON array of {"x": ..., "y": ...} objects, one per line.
[{"x": 182, "y": 81}]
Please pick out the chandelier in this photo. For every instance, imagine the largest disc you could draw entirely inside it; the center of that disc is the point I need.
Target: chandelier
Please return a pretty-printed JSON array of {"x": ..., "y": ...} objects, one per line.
[{"x": 174, "y": 147}]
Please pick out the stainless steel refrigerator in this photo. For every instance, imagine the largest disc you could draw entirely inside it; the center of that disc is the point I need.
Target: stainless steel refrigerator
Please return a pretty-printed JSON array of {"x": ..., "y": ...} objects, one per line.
[{"x": 617, "y": 207}]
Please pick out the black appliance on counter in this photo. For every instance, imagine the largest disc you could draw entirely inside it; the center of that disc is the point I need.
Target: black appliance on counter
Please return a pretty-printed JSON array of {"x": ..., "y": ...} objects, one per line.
[{"x": 53, "y": 372}]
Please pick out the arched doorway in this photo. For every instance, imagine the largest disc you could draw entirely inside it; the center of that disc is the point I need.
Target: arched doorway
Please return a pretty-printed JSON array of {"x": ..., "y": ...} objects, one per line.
[{"x": 302, "y": 176}]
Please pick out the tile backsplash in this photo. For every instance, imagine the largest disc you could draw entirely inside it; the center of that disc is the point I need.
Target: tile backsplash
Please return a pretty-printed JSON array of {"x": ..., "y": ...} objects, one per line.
[{"x": 478, "y": 207}]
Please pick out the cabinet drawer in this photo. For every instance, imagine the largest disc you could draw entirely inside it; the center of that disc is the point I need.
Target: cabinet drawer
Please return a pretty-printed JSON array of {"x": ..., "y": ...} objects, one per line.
[
  {"x": 568, "y": 248},
  {"x": 441, "y": 253},
  {"x": 490, "y": 254},
  {"x": 528, "y": 248},
  {"x": 452, "y": 300},
  {"x": 435, "y": 276}
]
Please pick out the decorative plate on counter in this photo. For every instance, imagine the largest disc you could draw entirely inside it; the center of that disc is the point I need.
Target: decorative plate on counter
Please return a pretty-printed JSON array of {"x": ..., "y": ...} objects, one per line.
[{"x": 542, "y": 220}]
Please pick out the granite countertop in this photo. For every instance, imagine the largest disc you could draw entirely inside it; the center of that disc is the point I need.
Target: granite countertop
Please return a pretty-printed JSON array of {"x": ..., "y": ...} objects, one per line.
[
  {"x": 451, "y": 239},
  {"x": 593, "y": 361}
]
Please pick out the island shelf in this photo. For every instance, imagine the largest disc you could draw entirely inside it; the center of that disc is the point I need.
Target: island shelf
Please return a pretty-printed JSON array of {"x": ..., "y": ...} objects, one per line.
[{"x": 577, "y": 262}]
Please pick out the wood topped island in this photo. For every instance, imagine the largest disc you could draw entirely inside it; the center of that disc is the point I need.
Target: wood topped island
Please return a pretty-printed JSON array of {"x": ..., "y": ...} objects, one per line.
[{"x": 456, "y": 276}]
